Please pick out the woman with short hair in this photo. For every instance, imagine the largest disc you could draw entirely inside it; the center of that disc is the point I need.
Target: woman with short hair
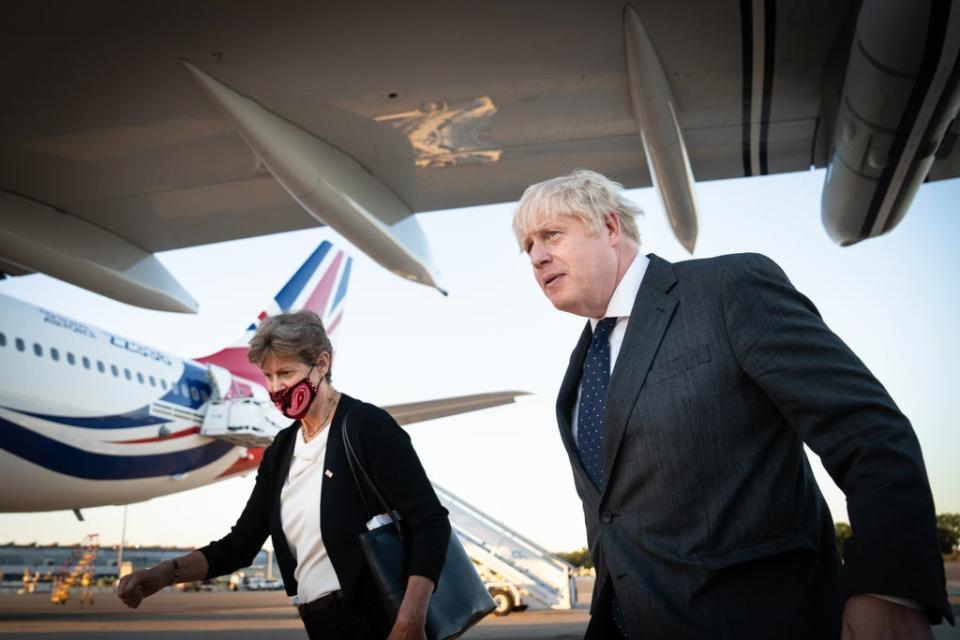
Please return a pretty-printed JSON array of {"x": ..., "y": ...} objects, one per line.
[{"x": 306, "y": 499}]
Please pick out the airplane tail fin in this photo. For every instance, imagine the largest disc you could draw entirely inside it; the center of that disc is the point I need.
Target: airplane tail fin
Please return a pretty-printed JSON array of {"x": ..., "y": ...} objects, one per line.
[{"x": 320, "y": 285}]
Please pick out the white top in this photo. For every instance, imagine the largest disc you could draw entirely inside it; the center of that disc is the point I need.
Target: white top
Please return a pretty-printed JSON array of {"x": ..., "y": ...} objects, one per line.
[
  {"x": 300, "y": 517},
  {"x": 619, "y": 307}
]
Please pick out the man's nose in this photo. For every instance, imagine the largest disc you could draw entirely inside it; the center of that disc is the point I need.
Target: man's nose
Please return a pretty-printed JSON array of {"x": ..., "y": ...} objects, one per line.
[
  {"x": 538, "y": 256},
  {"x": 274, "y": 385}
]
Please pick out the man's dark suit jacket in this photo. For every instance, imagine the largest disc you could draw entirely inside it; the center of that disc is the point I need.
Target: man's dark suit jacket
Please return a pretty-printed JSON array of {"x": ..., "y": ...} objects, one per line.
[
  {"x": 710, "y": 523},
  {"x": 388, "y": 456}
]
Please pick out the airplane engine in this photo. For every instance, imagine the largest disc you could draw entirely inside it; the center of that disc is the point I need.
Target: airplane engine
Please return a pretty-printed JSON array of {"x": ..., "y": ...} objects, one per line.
[{"x": 899, "y": 96}]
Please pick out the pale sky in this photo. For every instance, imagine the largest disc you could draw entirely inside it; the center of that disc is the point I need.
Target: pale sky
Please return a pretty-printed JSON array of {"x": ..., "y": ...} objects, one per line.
[{"x": 894, "y": 300}]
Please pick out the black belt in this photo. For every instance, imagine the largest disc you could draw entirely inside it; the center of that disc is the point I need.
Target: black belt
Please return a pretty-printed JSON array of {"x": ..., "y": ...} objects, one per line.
[{"x": 319, "y": 604}]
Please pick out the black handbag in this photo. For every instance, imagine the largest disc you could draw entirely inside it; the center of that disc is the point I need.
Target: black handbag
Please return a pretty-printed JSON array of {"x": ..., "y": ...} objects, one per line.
[{"x": 460, "y": 599}]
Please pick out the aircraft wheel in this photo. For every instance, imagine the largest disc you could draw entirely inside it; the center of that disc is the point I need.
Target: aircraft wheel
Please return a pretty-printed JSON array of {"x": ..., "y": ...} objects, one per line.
[{"x": 503, "y": 600}]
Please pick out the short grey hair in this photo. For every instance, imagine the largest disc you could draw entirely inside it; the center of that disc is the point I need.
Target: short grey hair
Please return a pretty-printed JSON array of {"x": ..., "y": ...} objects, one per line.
[
  {"x": 298, "y": 334},
  {"x": 585, "y": 194}
]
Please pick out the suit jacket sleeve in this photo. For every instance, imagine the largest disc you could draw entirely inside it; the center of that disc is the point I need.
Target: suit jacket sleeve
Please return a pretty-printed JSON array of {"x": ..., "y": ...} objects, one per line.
[
  {"x": 239, "y": 548},
  {"x": 840, "y": 410},
  {"x": 397, "y": 473}
]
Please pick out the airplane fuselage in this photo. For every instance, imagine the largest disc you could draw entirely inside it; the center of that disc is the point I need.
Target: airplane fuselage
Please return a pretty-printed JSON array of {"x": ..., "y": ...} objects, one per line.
[{"x": 90, "y": 418}]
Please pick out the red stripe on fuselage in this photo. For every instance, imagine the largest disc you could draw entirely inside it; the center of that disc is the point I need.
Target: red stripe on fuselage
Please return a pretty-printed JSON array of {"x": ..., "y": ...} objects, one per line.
[{"x": 248, "y": 462}]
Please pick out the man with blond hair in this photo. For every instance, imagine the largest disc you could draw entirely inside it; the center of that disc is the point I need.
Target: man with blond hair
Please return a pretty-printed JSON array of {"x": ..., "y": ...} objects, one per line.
[{"x": 684, "y": 412}]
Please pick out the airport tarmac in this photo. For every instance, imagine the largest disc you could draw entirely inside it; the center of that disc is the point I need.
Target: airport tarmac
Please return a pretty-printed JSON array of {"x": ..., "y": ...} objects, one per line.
[
  {"x": 247, "y": 615},
  {"x": 261, "y": 615}
]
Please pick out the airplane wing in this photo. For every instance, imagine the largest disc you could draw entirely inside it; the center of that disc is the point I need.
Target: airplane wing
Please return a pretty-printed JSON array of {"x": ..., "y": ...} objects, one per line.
[
  {"x": 130, "y": 128},
  {"x": 431, "y": 409}
]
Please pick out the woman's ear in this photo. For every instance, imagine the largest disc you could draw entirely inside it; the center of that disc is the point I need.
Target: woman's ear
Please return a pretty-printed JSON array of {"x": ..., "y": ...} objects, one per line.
[{"x": 323, "y": 364}]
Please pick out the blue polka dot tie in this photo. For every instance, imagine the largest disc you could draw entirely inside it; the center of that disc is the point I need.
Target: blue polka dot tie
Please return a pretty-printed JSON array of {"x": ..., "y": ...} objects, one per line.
[{"x": 593, "y": 389}]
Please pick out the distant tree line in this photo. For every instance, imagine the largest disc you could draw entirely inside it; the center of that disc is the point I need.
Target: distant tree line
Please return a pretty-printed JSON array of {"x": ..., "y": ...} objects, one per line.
[
  {"x": 948, "y": 532},
  {"x": 578, "y": 558}
]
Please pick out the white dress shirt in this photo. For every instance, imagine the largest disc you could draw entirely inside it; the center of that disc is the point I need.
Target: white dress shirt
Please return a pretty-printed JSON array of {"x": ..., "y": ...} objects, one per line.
[
  {"x": 619, "y": 307},
  {"x": 300, "y": 517}
]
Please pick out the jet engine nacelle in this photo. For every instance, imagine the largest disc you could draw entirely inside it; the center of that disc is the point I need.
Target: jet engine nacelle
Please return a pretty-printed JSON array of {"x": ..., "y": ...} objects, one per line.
[{"x": 899, "y": 96}]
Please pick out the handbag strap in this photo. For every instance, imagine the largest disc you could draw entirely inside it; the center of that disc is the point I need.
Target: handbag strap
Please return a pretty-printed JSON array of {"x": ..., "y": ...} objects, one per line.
[{"x": 354, "y": 461}]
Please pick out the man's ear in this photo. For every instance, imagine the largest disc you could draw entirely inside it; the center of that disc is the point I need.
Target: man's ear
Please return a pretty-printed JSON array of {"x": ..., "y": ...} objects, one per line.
[{"x": 614, "y": 231}]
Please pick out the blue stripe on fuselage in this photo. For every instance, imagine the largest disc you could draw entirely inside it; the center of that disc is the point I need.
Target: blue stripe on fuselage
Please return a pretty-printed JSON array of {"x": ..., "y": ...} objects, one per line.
[
  {"x": 137, "y": 418},
  {"x": 195, "y": 378},
  {"x": 62, "y": 458}
]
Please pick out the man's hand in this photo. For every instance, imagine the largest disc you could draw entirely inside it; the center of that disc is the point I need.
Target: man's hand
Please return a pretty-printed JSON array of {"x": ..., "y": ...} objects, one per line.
[
  {"x": 141, "y": 584},
  {"x": 869, "y": 618}
]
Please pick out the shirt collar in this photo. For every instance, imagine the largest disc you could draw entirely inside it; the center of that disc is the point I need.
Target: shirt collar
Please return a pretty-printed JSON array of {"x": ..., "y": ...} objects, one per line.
[
  {"x": 621, "y": 302},
  {"x": 308, "y": 451}
]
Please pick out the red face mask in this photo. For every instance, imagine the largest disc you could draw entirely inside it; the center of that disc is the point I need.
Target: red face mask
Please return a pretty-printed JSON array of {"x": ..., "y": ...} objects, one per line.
[{"x": 295, "y": 401}]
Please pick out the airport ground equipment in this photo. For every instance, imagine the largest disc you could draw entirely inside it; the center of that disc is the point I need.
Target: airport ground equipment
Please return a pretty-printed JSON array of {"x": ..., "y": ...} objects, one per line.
[
  {"x": 518, "y": 572},
  {"x": 79, "y": 563},
  {"x": 246, "y": 422}
]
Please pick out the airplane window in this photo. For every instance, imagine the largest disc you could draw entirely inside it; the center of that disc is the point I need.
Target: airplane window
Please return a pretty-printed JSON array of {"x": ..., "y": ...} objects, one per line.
[
  {"x": 19, "y": 343},
  {"x": 54, "y": 354},
  {"x": 163, "y": 383},
  {"x": 70, "y": 358},
  {"x": 101, "y": 367},
  {"x": 114, "y": 371},
  {"x": 86, "y": 362},
  {"x": 183, "y": 390},
  {"x": 153, "y": 381},
  {"x": 194, "y": 394},
  {"x": 139, "y": 377},
  {"x": 37, "y": 349},
  {"x": 3, "y": 339},
  {"x": 204, "y": 395},
  {"x": 129, "y": 376}
]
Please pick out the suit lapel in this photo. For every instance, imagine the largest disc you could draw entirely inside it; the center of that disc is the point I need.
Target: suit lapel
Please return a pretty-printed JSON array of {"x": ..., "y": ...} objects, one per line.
[
  {"x": 568, "y": 396},
  {"x": 651, "y": 314}
]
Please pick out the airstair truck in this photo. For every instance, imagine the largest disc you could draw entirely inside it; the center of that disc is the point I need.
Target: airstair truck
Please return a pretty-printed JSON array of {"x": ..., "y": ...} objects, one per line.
[{"x": 518, "y": 573}]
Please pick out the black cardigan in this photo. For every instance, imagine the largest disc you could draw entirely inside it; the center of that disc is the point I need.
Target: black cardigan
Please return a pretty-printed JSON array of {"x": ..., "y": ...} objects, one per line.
[{"x": 386, "y": 453}]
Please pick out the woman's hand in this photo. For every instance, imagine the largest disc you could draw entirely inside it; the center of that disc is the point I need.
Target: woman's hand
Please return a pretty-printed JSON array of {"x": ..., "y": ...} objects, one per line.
[
  {"x": 408, "y": 630},
  {"x": 412, "y": 617},
  {"x": 142, "y": 584}
]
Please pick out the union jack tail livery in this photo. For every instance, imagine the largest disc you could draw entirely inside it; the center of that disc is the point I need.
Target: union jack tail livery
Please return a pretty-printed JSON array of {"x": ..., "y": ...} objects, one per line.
[{"x": 320, "y": 285}]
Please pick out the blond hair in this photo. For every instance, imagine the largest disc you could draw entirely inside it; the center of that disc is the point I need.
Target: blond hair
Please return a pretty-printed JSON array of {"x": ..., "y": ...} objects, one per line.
[{"x": 584, "y": 194}]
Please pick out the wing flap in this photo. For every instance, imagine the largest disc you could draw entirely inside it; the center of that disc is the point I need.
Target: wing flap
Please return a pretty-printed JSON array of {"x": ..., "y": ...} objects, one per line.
[{"x": 411, "y": 412}]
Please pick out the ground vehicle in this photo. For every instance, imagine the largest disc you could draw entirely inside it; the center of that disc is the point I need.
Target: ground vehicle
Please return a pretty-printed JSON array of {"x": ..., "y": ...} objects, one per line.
[
  {"x": 241, "y": 582},
  {"x": 518, "y": 572}
]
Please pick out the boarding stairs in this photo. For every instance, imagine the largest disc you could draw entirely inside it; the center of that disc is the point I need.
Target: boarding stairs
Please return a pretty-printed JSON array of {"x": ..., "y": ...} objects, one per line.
[
  {"x": 239, "y": 416},
  {"x": 79, "y": 563},
  {"x": 503, "y": 555}
]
